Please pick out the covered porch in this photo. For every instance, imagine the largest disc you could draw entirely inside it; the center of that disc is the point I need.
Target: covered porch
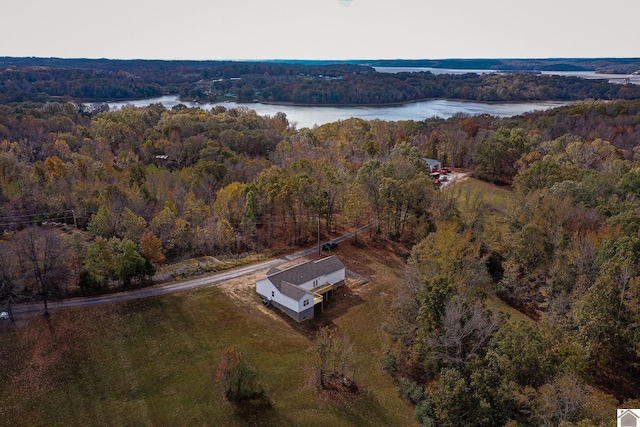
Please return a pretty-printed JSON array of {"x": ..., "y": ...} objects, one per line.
[{"x": 321, "y": 294}]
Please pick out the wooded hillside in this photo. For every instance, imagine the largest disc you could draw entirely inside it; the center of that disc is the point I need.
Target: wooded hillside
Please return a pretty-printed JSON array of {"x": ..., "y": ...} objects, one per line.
[{"x": 148, "y": 187}]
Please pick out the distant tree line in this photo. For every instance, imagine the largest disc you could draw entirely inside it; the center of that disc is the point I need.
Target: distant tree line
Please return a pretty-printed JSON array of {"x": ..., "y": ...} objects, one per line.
[
  {"x": 599, "y": 65},
  {"x": 35, "y": 79},
  {"x": 384, "y": 88},
  {"x": 317, "y": 84},
  {"x": 603, "y": 65}
]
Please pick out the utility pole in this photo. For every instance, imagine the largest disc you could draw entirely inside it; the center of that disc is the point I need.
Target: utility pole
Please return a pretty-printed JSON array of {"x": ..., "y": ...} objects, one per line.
[
  {"x": 46, "y": 306},
  {"x": 9, "y": 301},
  {"x": 318, "y": 233}
]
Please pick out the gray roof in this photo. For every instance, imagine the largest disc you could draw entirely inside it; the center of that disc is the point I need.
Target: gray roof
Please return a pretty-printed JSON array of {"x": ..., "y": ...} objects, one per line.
[
  {"x": 287, "y": 280},
  {"x": 292, "y": 291},
  {"x": 431, "y": 162},
  {"x": 272, "y": 270},
  {"x": 309, "y": 270}
]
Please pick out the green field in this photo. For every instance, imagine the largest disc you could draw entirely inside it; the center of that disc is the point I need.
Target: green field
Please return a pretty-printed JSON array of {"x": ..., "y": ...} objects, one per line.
[
  {"x": 152, "y": 362},
  {"x": 492, "y": 202}
]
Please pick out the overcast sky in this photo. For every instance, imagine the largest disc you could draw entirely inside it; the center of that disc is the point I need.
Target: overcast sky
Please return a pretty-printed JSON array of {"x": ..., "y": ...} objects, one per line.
[{"x": 319, "y": 29}]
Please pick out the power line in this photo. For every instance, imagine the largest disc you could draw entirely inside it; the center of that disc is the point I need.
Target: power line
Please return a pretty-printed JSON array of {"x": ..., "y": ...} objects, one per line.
[
  {"x": 47, "y": 214},
  {"x": 38, "y": 218}
]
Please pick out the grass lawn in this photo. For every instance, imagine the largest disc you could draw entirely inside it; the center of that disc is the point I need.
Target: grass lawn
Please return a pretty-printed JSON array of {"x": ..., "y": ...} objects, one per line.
[
  {"x": 493, "y": 202},
  {"x": 152, "y": 361},
  {"x": 474, "y": 195}
]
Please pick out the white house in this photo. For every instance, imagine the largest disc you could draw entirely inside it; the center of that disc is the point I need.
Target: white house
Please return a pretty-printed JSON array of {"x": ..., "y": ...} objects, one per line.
[{"x": 297, "y": 290}]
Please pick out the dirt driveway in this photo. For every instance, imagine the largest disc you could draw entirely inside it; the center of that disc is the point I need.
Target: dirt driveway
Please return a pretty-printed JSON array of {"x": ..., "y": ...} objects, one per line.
[
  {"x": 372, "y": 270},
  {"x": 242, "y": 291}
]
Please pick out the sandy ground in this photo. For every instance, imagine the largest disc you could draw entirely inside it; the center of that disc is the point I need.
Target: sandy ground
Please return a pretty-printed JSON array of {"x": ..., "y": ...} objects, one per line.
[
  {"x": 455, "y": 177},
  {"x": 374, "y": 269},
  {"x": 242, "y": 291}
]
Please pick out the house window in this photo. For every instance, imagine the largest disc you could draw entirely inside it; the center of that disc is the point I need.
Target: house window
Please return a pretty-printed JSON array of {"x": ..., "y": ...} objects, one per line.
[
  {"x": 305, "y": 302},
  {"x": 273, "y": 294},
  {"x": 315, "y": 283}
]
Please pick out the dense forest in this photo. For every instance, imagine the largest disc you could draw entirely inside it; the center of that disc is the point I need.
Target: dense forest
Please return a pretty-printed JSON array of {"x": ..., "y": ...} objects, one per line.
[
  {"x": 33, "y": 79},
  {"x": 101, "y": 200}
]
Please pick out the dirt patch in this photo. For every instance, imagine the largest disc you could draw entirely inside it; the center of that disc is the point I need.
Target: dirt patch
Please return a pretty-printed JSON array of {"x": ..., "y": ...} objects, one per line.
[
  {"x": 336, "y": 390},
  {"x": 242, "y": 292},
  {"x": 367, "y": 263}
]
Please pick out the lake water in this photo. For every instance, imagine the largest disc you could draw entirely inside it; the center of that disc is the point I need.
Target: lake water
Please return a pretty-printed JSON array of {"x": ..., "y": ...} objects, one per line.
[
  {"x": 612, "y": 78},
  {"x": 309, "y": 116}
]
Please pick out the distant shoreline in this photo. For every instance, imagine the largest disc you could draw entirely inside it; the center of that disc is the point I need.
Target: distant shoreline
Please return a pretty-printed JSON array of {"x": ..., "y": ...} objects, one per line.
[
  {"x": 393, "y": 104},
  {"x": 388, "y": 104}
]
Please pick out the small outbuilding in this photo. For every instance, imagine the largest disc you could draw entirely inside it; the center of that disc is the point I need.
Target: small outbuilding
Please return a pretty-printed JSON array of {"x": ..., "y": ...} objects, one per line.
[
  {"x": 432, "y": 163},
  {"x": 298, "y": 290}
]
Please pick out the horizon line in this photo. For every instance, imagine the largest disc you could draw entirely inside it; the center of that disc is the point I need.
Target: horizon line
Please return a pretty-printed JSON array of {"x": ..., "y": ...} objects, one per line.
[{"x": 330, "y": 60}]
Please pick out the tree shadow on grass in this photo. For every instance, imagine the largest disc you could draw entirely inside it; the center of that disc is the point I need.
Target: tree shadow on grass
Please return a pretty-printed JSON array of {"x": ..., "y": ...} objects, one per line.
[
  {"x": 362, "y": 409},
  {"x": 259, "y": 413},
  {"x": 343, "y": 300}
]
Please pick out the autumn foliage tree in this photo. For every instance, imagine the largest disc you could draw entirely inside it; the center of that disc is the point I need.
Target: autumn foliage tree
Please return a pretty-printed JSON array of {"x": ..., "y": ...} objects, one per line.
[
  {"x": 131, "y": 265},
  {"x": 333, "y": 361},
  {"x": 239, "y": 380},
  {"x": 495, "y": 156},
  {"x": 151, "y": 247}
]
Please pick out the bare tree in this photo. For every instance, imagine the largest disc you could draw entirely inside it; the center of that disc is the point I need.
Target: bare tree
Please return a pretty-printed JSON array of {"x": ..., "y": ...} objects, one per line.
[
  {"x": 42, "y": 252},
  {"x": 333, "y": 359},
  {"x": 7, "y": 288},
  {"x": 560, "y": 401},
  {"x": 466, "y": 329}
]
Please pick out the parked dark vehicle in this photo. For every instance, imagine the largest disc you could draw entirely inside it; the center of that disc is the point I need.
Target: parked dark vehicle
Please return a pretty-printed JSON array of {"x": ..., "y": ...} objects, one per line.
[{"x": 330, "y": 245}]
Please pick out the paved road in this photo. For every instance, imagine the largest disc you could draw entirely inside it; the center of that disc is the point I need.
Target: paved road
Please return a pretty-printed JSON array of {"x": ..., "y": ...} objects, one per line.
[{"x": 20, "y": 310}]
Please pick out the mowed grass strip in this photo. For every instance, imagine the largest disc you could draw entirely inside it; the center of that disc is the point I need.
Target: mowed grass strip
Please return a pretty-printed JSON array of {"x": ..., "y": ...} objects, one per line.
[
  {"x": 490, "y": 202},
  {"x": 153, "y": 361},
  {"x": 494, "y": 203}
]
